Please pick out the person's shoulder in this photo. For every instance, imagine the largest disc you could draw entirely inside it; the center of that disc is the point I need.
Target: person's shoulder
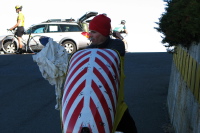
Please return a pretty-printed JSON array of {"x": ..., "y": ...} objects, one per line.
[
  {"x": 91, "y": 46},
  {"x": 118, "y": 45},
  {"x": 20, "y": 14},
  {"x": 118, "y": 41}
]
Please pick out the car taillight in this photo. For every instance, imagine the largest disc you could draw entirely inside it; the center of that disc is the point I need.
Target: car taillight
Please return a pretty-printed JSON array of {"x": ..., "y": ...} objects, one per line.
[{"x": 86, "y": 34}]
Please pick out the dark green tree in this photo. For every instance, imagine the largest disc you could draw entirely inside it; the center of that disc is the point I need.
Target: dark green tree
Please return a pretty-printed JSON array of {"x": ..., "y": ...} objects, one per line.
[{"x": 180, "y": 23}]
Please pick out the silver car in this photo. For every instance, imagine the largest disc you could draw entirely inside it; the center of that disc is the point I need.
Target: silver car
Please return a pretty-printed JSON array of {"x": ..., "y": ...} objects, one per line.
[{"x": 71, "y": 34}]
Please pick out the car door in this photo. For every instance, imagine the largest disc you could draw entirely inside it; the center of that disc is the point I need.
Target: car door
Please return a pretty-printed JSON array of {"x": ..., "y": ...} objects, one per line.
[{"x": 54, "y": 31}]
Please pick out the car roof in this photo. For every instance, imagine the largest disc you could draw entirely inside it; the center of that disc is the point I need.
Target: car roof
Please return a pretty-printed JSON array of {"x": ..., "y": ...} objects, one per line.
[
  {"x": 54, "y": 23},
  {"x": 69, "y": 21},
  {"x": 59, "y": 23}
]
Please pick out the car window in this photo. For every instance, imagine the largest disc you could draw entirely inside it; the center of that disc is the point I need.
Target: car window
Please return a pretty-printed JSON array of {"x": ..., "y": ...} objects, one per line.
[
  {"x": 36, "y": 29},
  {"x": 70, "y": 28},
  {"x": 53, "y": 28}
]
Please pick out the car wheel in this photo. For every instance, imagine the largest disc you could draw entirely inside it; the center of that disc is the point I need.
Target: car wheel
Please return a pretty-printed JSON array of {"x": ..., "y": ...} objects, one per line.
[
  {"x": 9, "y": 47},
  {"x": 69, "y": 46}
]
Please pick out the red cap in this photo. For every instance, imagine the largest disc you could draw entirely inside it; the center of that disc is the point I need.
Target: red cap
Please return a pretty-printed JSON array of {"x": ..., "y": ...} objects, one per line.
[{"x": 101, "y": 24}]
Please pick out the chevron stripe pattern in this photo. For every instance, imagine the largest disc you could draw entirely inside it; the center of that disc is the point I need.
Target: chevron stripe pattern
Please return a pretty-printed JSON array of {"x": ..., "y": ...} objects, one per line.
[{"x": 91, "y": 91}]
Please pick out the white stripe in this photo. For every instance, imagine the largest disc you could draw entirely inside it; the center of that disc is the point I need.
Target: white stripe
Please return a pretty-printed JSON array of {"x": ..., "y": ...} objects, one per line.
[
  {"x": 113, "y": 61},
  {"x": 101, "y": 112},
  {"x": 76, "y": 56},
  {"x": 104, "y": 74},
  {"x": 71, "y": 111},
  {"x": 86, "y": 117},
  {"x": 75, "y": 66}
]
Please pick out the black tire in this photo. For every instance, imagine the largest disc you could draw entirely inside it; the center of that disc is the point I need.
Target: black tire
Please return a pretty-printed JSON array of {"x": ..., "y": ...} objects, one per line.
[
  {"x": 9, "y": 46},
  {"x": 34, "y": 44},
  {"x": 69, "y": 46}
]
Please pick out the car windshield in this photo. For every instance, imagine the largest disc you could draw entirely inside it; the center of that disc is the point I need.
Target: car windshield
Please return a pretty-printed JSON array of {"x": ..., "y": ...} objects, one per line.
[{"x": 36, "y": 29}]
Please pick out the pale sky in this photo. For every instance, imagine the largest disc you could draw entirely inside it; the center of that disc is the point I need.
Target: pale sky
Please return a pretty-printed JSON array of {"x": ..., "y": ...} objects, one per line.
[{"x": 140, "y": 16}]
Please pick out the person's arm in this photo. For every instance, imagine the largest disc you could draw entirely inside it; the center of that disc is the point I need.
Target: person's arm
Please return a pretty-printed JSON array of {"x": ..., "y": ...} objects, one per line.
[{"x": 125, "y": 30}]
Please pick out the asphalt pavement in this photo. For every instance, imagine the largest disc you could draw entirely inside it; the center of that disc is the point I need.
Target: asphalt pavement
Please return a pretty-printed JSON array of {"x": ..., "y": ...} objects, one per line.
[
  {"x": 28, "y": 100},
  {"x": 146, "y": 88}
]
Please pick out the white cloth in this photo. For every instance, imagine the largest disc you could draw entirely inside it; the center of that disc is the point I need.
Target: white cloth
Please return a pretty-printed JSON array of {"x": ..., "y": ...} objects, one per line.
[{"x": 53, "y": 61}]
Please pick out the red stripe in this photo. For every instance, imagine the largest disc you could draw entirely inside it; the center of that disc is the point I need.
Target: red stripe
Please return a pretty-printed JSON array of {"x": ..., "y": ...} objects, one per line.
[
  {"x": 73, "y": 83},
  {"x": 103, "y": 81},
  {"x": 111, "y": 64},
  {"x": 108, "y": 72},
  {"x": 116, "y": 60},
  {"x": 75, "y": 70},
  {"x": 97, "y": 117},
  {"x": 80, "y": 128},
  {"x": 74, "y": 117},
  {"x": 103, "y": 104},
  {"x": 72, "y": 99},
  {"x": 114, "y": 57},
  {"x": 75, "y": 55}
]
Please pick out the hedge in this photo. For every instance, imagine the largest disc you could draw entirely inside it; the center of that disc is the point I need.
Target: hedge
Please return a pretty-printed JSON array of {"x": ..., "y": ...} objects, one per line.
[{"x": 180, "y": 23}]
